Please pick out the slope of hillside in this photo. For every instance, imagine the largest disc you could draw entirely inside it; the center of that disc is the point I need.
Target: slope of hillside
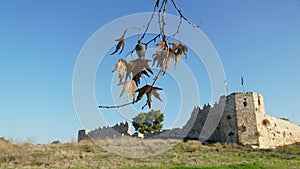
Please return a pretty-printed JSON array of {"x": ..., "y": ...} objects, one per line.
[{"x": 191, "y": 154}]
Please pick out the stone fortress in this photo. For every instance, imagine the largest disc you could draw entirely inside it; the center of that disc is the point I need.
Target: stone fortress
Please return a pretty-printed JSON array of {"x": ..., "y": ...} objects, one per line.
[{"x": 238, "y": 118}]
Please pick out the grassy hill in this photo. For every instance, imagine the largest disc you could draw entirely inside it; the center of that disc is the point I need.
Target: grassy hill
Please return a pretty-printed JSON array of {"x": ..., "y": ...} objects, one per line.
[{"x": 188, "y": 155}]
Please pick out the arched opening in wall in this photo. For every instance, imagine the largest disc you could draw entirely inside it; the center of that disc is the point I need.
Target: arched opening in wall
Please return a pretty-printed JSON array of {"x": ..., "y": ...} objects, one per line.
[
  {"x": 266, "y": 122},
  {"x": 245, "y": 102},
  {"x": 259, "y": 100}
]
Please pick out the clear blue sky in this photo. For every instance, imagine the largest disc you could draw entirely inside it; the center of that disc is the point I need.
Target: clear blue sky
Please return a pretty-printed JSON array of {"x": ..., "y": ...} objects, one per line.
[{"x": 40, "y": 42}]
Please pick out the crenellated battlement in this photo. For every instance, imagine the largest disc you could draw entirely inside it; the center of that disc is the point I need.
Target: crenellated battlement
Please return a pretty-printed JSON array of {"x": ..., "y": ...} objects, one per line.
[{"x": 117, "y": 131}]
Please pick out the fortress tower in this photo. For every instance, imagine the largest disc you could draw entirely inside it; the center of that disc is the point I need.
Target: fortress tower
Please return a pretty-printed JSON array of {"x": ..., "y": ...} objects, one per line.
[
  {"x": 239, "y": 119},
  {"x": 244, "y": 121}
]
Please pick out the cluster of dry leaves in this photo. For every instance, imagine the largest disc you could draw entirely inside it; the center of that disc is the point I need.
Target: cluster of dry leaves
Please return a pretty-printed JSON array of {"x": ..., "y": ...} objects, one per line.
[{"x": 130, "y": 72}]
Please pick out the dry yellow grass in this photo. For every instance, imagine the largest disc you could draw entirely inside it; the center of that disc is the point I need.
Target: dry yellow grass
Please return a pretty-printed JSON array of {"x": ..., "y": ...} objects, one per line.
[
  {"x": 192, "y": 146},
  {"x": 87, "y": 154}
]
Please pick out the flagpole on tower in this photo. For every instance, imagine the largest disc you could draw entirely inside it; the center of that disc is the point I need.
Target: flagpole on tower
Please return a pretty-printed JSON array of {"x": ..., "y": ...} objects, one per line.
[{"x": 242, "y": 82}]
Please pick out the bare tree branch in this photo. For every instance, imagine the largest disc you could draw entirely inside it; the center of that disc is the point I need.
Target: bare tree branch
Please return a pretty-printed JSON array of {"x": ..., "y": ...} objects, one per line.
[
  {"x": 118, "y": 106},
  {"x": 162, "y": 5},
  {"x": 182, "y": 16},
  {"x": 146, "y": 29},
  {"x": 178, "y": 28},
  {"x": 149, "y": 22}
]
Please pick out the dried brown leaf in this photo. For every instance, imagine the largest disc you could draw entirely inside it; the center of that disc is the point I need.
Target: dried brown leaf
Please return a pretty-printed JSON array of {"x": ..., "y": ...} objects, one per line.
[
  {"x": 160, "y": 57},
  {"x": 156, "y": 95},
  {"x": 168, "y": 62},
  {"x": 149, "y": 91},
  {"x": 184, "y": 50},
  {"x": 175, "y": 47},
  {"x": 177, "y": 58},
  {"x": 162, "y": 44},
  {"x": 121, "y": 43},
  {"x": 122, "y": 67},
  {"x": 136, "y": 78},
  {"x": 128, "y": 87},
  {"x": 137, "y": 65},
  {"x": 178, "y": 49}
]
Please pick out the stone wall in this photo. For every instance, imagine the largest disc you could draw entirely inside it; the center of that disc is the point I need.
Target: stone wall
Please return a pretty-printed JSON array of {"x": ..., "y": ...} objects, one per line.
[
  {"x": 202, "y": 125},
  {"x": 83, "y": 134},
  {"x": 228, "y": 125},
  {"x": 246, "y": 118},
  {"x": 117, "y": 131},
  {"x": 274, "y": 132},
  {"x": 238, "y": 118}
]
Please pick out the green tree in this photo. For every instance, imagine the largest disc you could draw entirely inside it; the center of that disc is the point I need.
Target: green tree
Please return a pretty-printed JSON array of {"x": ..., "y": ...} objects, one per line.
[{"x": 147, "y": 122}]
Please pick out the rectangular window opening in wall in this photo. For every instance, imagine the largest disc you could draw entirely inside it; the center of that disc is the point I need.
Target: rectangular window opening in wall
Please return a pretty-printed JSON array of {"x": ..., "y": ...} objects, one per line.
[
  {"x": 228, "y": 117},
  {"x": 242, "y": 128},
  {"x": 245, "y": 102},
  {"x": 231, "y": 133}
]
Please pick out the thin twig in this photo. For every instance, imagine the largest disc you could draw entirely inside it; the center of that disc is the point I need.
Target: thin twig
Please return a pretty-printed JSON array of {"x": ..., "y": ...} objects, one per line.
[
  {"x": 146, "y": 30},
  {"x": 149, "y": 22},
  {"x": 151, "y": 40},
  {"x": 118, "y": 106},
  {"x": 164, "y": 18},
  {"x": 178, "y": 28},
  {"x": 159, "y": 12},
  {"x": 182, "y": 16}
]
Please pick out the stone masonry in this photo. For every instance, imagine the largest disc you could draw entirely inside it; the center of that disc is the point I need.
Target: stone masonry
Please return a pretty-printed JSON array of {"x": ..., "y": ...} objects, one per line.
[
  {"x": 238, "y": 118},
  {"x": 117, "y": 131}
]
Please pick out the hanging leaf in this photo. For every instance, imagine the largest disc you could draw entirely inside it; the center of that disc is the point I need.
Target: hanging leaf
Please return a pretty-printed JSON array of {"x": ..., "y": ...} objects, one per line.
[
  {"x": 155, "y": 94},
  {"x": 175, "y": 46},
  {"x": 162, "y": 44},
  {"x": 130, "y": 88},
  {"x": 140, "y": 50},
  {"x": 178, "y": 49},
  {"x": 122, "y": 67},
  {"x": 168, "y": 61},
  {"x": 163, "y": 59},
  {"x": 177, "y": 58},
  {"x": 159, "y": 57},
  {"x": 133, "y": 68},
  {"x": 136, "y": 78},
  {"x": 137, "y": 65},
  {"x": 121, "y": 43},
  {"x": 149, "y": 91},
  {"x": 184, "y": 50}
]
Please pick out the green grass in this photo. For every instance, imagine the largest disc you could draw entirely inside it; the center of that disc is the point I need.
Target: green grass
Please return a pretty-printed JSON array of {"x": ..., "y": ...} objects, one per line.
[
  {"x": 188, "y": 155},
  {"x": 238, "y": 166}
]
